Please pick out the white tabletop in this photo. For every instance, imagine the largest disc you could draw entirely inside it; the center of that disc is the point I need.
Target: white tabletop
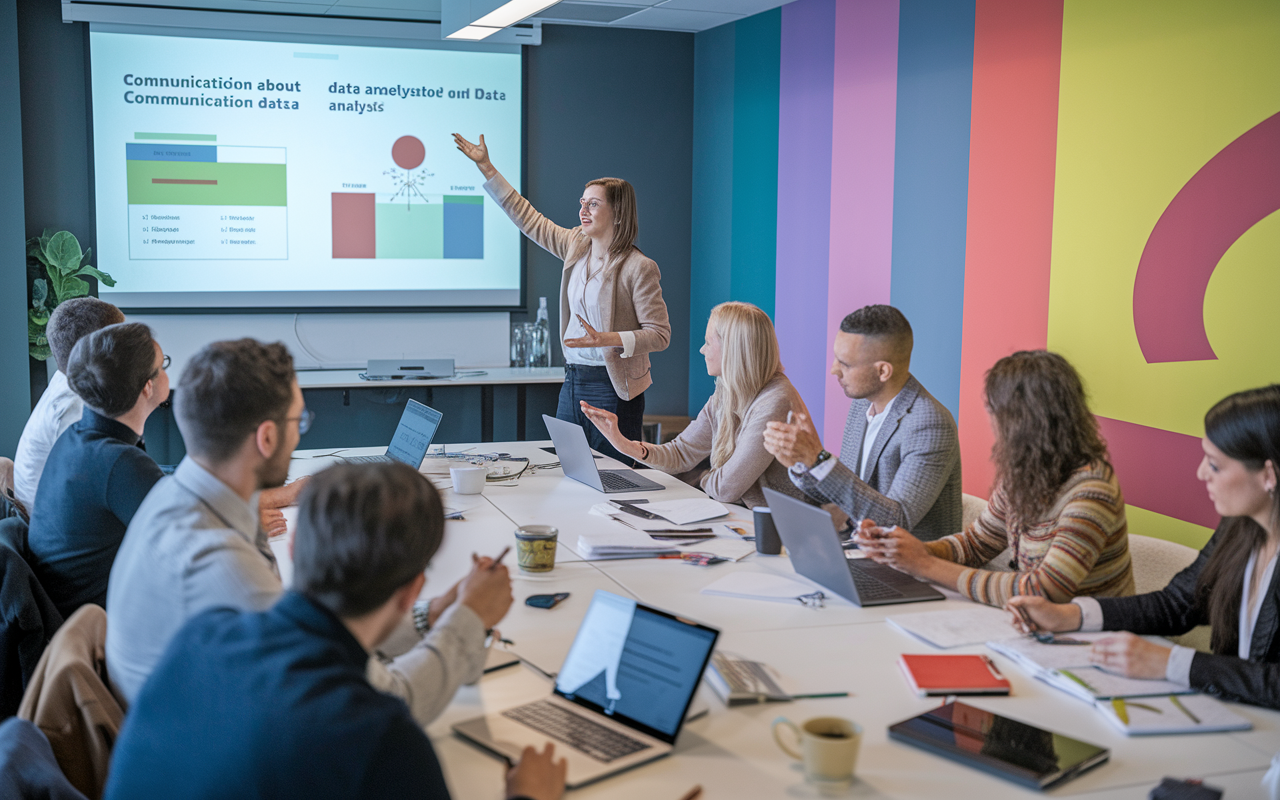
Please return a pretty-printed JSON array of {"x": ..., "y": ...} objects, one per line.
[
  {"x": 730, "y": 752},
  {"x": 350, "y": 378}
]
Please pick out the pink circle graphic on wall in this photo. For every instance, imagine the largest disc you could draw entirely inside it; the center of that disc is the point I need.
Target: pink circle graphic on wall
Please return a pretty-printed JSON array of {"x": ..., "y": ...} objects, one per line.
[{"x": 408, "y": 152}]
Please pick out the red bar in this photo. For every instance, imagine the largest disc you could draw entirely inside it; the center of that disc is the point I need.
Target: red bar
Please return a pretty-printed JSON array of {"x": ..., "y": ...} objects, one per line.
[
  {"x": 1017, "y": 59},
  {"x": 353, "y": 225},
  {"x": 1157, "y": 470},
  {"x": 187, "y": 181}
]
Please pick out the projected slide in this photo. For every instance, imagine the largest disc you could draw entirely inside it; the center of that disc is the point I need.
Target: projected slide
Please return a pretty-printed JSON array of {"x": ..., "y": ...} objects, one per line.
[{"x": 246, "y": 173}]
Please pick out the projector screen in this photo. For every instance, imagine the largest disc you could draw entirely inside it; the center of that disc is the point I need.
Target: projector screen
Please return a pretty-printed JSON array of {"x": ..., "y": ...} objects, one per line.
[{"x": 241, "y": 173}]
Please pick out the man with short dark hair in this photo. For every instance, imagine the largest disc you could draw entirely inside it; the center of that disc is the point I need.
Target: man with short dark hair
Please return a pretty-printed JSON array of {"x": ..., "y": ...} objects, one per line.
[
  {"x": 900, "y": 460},
  {"x": 96, "y": 476},
  {"x": 196, "y": 543},
  {"x": 276, "y": 703},
  {"x": 59, "y": 407}
]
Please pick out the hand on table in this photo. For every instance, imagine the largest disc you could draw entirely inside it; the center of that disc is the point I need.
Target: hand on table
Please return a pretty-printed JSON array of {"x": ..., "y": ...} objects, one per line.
[
  {"x": 272, "y": 521},
  {"x": 1044, "y": 614},
  {"x": 593, "y": 337},
  {"x": 487, "y": 590},
  {"x": 1131, "y": 656},
  {"x": 893, "y": 546},
  {"x": 793, "y": 443},
  {"x": 607, "y": 423},
  {"x": 538, "y": 776}
]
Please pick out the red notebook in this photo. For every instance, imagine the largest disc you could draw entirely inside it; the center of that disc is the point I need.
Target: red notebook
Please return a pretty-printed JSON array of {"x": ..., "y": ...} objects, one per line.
[{"x": 943, "y": 675}]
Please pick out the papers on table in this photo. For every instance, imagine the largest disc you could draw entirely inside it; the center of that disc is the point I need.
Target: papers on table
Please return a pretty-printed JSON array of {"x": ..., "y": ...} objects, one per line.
[
  {"x": 627, "y": 540},
  {"x": 687, "y": 512},
  {"x": 619, "y": 542},
  {"x": 1190, "y": 713},
  {"x": 759, "y": 586},
  {"x": 1067, "y": 667},
  {"x": 956, "y": 628}
]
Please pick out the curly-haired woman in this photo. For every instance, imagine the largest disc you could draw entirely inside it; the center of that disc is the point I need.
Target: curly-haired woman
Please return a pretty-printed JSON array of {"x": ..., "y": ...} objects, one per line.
[{"x": 1056, "y": 504}]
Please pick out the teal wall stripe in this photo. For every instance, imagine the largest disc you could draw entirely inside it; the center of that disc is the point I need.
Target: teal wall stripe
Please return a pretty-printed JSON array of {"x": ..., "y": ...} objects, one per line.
[
  {"x": 713, "y": 174},
  {"x": 931, "y": 185}
]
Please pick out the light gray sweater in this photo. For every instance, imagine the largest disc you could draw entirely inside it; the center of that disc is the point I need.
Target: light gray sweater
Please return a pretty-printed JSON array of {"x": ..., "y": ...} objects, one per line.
[{"x": 750, "y": 468}]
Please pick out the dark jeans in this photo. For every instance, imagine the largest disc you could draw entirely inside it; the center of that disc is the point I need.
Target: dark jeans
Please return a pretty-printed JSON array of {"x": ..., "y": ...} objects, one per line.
[{"x": 592, "y": 384}]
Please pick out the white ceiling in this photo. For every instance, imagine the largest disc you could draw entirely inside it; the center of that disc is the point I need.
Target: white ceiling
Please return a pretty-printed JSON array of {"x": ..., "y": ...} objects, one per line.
[{"x": 666, "y": 15}]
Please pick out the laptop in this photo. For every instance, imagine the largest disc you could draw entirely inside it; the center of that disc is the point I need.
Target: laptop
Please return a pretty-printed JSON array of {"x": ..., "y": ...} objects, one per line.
[
  {"x": 577, "y": 462},
  {"x": 620, "y": 699},
  {"x": 417, "y": 428},
  {"x": 814, "y": 547}
]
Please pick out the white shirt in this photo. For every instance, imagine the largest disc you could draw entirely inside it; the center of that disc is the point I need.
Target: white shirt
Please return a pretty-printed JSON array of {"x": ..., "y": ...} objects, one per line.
[
  {"x": 584, "y": 301},
  {"x": 874, "y": 423},
  {"x": 1178, "y": 669},
  {"x": 59, "y": 408}
]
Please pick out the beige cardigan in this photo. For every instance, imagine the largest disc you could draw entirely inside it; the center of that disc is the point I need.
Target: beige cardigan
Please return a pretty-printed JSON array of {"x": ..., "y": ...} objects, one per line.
[
  {"x": 750, "y": 468},
  {"x": 633, "y": 283}
]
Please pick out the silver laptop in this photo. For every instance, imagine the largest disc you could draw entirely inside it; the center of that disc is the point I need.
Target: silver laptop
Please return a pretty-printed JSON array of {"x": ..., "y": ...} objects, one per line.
[
  {"x": 578, "y": 463},
  {"x": 620, "y": 699},
  {"x": 814, "y": 547},
  {"x": 418, "y": 425}
]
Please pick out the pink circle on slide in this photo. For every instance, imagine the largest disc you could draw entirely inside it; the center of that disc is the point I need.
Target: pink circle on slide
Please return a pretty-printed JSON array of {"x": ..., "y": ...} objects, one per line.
[{"x": 408, "y": 152}]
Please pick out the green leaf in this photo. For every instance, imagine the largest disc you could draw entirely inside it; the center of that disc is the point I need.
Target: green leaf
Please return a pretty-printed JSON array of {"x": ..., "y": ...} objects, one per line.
[
  {"x": 56, "y": 283},
  {"x": 101, "y": 276},
  {"x": 40, "y": 352},
  {"x": 87, "y": 253},
  {"x": 39, "y": 292},
  {"x": 73, "y": 287},
  {"x": 63, "y": 251},
  {"x": 35, "y": 327}
]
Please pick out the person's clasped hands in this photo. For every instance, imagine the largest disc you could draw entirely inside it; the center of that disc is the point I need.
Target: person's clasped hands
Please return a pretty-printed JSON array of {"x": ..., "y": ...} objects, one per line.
[{"x": 891, "y": 546}]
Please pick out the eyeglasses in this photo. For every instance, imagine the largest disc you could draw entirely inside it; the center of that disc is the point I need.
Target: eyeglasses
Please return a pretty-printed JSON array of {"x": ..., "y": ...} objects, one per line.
[
  {"x": 304, "y": 421},
  {"x": 164, "y": 364},
  {"x": 591, "y": 205}
]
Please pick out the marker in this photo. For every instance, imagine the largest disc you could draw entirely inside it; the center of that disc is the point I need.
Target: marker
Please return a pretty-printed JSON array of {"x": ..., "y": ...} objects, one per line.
[{"x": 822, "y": 694}]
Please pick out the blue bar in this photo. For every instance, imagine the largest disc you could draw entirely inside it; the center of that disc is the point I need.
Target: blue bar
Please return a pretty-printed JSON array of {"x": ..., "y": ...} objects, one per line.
[
  {"x": 171, "y": 152},
  {"x": 463, "y": 230}
]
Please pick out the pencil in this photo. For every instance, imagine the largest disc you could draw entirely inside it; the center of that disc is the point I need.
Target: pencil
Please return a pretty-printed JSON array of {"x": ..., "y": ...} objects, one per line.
[
  {"x": 820, "y": 694},
  {"x": 501, "y": 556},
  {"x": 693, "y": 793}
]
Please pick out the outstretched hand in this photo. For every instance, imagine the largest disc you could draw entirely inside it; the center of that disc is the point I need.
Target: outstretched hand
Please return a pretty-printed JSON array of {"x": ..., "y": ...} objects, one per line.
[
  {"x": 607, "y": 423},
  {"x": 478, "y": 153},
  {"x": 593, "y": 337}
]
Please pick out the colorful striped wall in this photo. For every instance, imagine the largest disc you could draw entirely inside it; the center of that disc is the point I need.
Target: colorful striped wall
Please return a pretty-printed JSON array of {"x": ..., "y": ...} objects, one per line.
[{"x": 1094, "y": 177}]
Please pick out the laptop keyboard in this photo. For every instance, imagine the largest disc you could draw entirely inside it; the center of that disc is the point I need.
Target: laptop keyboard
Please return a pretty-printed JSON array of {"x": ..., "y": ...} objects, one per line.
[
  {"x": 600, "y": 742},
  {"x": 871, "y": 588},
  {"x": 612, "y": 480},
  {"x": 367, "y": 459}
]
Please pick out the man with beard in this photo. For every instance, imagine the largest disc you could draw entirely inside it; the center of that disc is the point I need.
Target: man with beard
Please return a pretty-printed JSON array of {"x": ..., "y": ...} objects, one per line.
[{"x": 195, "y": 543}]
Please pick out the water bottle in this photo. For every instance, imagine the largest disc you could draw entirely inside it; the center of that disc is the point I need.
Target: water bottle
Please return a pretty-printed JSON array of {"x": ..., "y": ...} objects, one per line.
[{"x": 542, "y": 336}]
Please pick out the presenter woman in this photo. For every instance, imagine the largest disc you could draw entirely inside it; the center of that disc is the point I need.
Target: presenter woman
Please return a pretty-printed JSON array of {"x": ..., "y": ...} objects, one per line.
[
  {"x": 1056, "y": 504},
  {"x": 1232, "y": 585},
  {"x": 612, "y": 315},
  {"x": 741, "y": 350}
]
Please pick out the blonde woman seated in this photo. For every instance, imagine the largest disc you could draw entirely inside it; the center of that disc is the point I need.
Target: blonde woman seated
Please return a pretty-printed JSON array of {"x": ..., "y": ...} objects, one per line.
[
  {"x": 742, "y": 355},
  {"x": 1056, "y": 505}
]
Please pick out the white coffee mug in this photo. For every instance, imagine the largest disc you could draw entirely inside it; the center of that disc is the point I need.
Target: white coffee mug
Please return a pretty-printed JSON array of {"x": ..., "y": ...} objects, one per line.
[
  {"x": 468, "y": 480},
  {"x": 828, "y": 748}
]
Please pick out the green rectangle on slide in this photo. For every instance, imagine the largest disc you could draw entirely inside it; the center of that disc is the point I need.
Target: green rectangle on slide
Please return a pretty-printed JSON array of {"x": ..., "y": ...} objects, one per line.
[
  {"x": 178, "y": 137},
  {"x": 237, "y": 184},
  {"x": 473, "y": 199},
  {"x": 409, "y": 231}
]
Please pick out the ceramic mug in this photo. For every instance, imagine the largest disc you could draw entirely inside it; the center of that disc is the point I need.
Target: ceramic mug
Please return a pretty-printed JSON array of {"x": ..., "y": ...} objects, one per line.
[
  {"x": 468, "y": 480},
  {"x": 828, "y": 747}
]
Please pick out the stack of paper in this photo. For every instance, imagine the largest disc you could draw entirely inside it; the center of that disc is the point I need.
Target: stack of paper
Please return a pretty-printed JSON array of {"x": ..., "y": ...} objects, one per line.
[
  {"x": 1189, "y": 713},
  {"x": 687, "y": 512},
  {"x": 1067, "y": 667},
  {"x": 956, "y": 628},
  {"x": 618, "y": 542}
]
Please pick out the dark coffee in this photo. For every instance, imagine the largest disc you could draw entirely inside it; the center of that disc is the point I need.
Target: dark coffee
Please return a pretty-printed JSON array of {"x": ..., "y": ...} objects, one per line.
[{"x": 832, "y": 734}]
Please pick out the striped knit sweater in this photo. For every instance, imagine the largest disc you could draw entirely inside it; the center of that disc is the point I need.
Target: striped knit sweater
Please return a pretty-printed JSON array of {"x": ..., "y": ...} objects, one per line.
[{"x": 1080, "y": 546}]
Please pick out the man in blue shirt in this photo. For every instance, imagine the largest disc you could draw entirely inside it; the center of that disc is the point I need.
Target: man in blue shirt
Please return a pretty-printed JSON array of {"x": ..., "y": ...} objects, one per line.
[
  {"x": 96, "y": 475},
  {"x": 275, "y": 704}
]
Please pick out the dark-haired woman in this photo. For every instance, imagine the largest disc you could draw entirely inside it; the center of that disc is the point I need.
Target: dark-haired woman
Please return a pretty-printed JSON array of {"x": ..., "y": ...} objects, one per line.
[
  {"x": 1056, "y": 504},
  {"x": 612, "y": 315},
  {"x": 1231, "y": 585}
]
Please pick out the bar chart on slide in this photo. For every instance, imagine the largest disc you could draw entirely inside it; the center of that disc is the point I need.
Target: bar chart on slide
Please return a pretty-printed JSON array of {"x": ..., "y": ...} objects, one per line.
[
  {"x": 206, "y": 201},
  {"x": 368, "y": 225}
]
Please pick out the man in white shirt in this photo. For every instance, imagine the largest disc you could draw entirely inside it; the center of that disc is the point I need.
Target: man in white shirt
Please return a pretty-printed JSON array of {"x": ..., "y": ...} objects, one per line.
[
  {"x": 900, "y": 460},
  {"x": 59, "y": 407}
]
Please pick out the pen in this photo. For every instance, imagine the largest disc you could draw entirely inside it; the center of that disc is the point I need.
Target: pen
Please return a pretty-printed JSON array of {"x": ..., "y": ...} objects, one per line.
[
  {"x": 693, "y": 793},
  {"x": 820, "y": 694},
  {"x": 1026, "y": 619},
  {"x": 501, "y": 556}
]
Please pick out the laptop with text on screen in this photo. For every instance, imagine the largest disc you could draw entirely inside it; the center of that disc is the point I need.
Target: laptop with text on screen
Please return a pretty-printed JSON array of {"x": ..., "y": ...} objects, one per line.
[
  {"x": 578, "y": 463},
  {"x": 814, "y": 547},
  {"x": 418, "y": 426},
  {"x": 620, "y": 699}
]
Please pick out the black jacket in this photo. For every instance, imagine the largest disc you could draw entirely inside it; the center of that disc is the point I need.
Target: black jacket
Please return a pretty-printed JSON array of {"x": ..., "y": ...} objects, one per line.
[
  {"x": 1174, "y": 610},
  {"x": 28, "y": 619}
]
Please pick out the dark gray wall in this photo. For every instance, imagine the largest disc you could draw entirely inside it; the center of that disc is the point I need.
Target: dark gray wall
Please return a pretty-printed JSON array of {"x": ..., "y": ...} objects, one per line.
[
  {"x": 601, "y": 102},
  {"x": 617, "y": 103},
  {"x": 15, "y": 399}
]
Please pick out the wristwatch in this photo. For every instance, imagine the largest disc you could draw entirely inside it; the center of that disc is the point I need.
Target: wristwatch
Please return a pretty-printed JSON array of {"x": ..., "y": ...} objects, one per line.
[{"x": 799, "y": 467}]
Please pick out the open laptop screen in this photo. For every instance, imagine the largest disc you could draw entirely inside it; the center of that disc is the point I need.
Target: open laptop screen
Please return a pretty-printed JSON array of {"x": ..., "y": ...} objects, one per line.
[
  {"x": 636, "y": 663},
  {"x": 414, "y": 433}
]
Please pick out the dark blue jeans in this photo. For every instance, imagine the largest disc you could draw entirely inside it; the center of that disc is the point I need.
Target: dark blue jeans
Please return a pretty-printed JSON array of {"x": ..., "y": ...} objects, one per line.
[{"x": 592, "y": 384}]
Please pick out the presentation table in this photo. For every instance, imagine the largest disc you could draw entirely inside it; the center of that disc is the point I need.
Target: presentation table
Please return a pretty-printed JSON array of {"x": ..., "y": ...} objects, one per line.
[{"x": 837, "y": 648}]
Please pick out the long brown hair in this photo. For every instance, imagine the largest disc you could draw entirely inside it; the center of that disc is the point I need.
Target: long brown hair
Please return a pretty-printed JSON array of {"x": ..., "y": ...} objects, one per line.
[
  {"x": 1044, "y": 429},
  {"x": 621, "y": 197},
  {"x": 1246, "y": 427}
]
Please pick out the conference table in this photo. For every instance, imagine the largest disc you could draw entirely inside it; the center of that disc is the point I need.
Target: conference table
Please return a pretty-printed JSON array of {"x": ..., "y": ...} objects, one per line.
[{"x": 730, "y": 752}]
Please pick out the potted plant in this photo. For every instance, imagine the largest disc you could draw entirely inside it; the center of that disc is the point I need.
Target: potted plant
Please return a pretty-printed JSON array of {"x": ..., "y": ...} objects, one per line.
[{"x": 60, "y": 255}]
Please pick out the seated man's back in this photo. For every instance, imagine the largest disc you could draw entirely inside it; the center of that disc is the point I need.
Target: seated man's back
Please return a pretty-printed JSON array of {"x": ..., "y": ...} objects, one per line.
[{"x": 270, "y": 704}]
